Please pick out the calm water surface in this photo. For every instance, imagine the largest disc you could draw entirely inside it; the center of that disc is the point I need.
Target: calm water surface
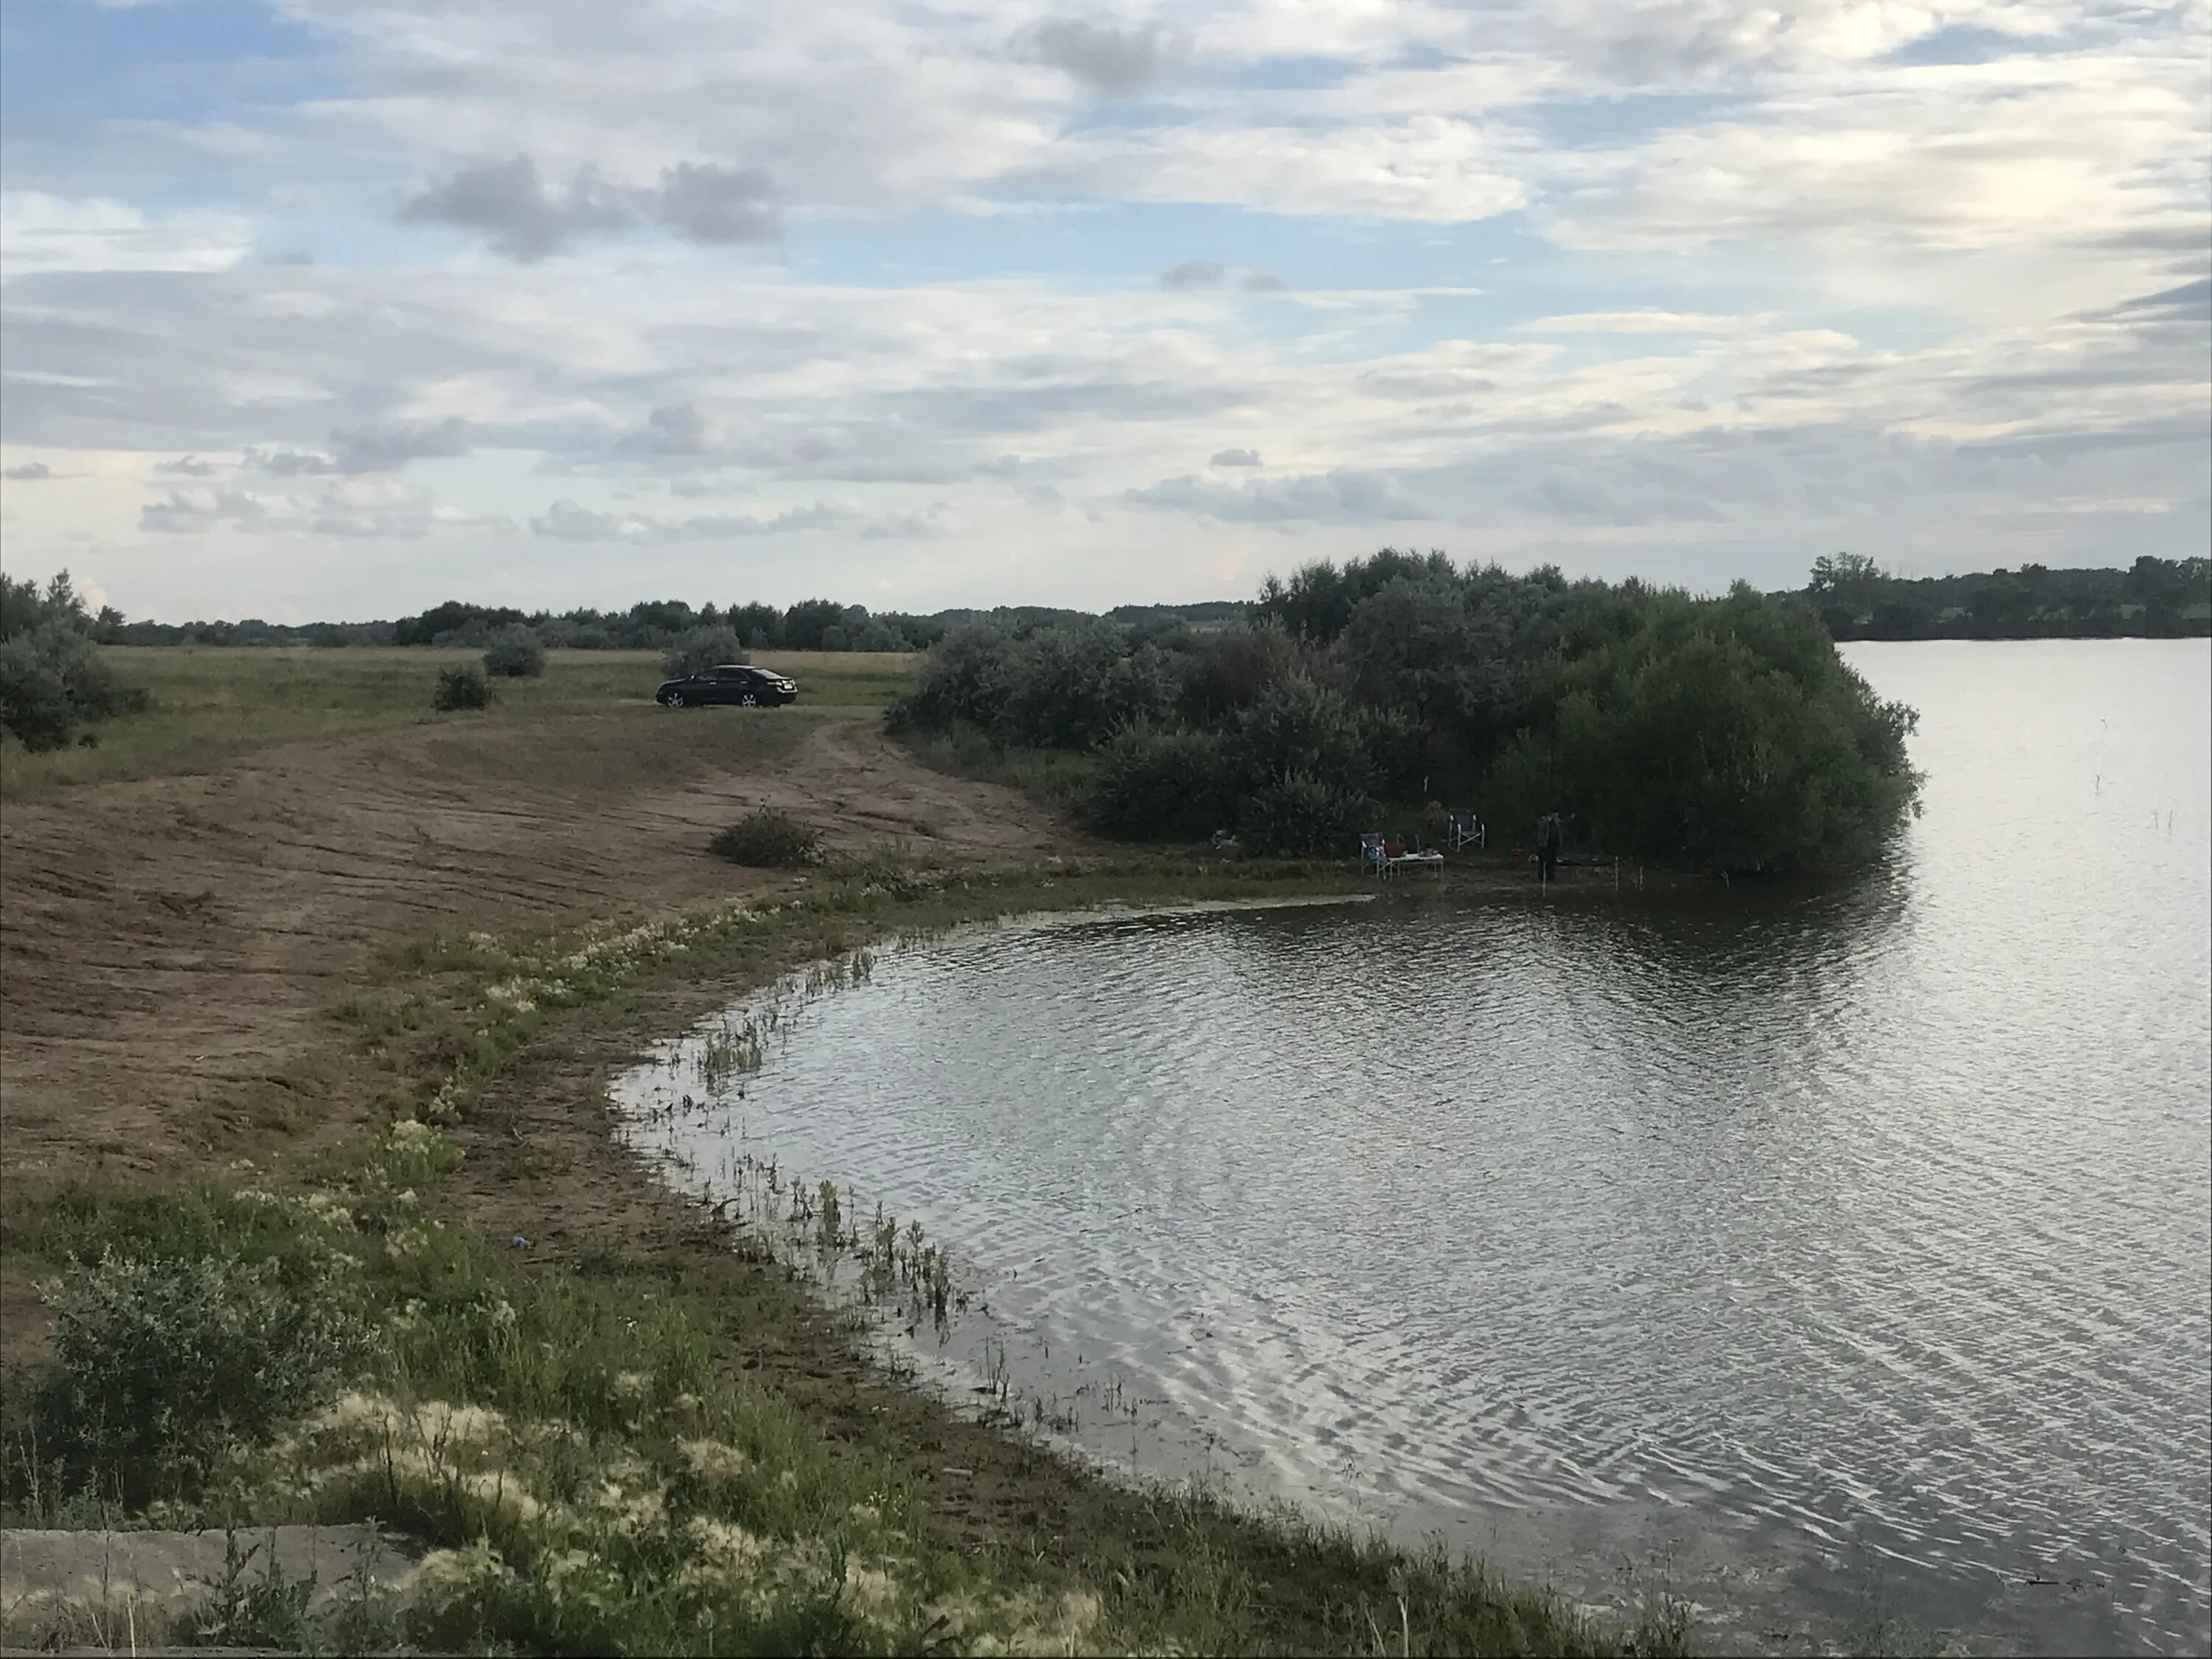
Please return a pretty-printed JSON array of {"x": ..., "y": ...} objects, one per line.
[{"x": 1842, "y": 1258}]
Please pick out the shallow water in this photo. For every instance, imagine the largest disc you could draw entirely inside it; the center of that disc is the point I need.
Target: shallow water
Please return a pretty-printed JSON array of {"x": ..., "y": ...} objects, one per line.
[{"x": 1841, "y": 1259}]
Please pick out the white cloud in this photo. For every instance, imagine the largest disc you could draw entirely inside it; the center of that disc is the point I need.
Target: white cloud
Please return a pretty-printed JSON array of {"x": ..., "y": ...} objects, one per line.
[
  {"x": 1430, "y": 169},
  {"x": 1942, "y": 260},
  {"x": 41, "y": 232},
  {"x": 569, "y": 521},
  {"x": 1639, "y": 322}
]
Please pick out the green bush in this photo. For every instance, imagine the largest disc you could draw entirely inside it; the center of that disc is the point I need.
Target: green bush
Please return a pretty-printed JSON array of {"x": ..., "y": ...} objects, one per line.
[
  {"x": 1299, "y": 815},
  {"x": 1299, "y": 725},
  {"x": 1718, "y": 733},
  {"x": 168, "y": 1360},
  {"x": 769, "y": 840},
  {"x": 1155, "y": 785},
  {"x": 514, "y": 653},
  {"x": 465, "y": 687},
  {"x": 703, "y": 648},
  {"x": 53, "y": 678}
]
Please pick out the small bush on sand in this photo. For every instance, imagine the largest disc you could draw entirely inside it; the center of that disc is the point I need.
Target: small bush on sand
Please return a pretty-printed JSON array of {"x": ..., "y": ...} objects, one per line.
[
  {"x": 701, "y": 648},
  {"x": 767, "y": 839},
  {"x": 465, "y": 687},
  {"x": 159, "y": 1360},
  {"x": 515, "y": 655}
]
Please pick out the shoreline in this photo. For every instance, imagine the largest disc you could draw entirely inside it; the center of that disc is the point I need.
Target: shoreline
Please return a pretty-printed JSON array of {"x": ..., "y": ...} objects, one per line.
[{"x": 1057, "y": 1553}]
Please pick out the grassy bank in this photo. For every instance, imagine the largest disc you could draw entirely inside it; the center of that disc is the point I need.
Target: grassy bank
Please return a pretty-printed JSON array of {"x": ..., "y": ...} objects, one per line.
[
  {"x": 640, "y": 1432},
  {"x": 207, "y": 704}
]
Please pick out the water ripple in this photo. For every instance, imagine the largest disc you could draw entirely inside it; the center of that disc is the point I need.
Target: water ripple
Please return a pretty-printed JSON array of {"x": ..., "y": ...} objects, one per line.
[{"x": 1852, "y": 1247}]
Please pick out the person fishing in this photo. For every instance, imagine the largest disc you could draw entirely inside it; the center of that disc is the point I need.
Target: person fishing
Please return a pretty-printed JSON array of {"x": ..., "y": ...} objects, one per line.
[{"x": 1548, "y": 847}]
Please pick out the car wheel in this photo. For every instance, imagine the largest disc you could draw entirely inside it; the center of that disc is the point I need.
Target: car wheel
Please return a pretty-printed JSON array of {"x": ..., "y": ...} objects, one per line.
[
  {"x": 746, "y": 699},
  {"x": 674, "y": 700}
]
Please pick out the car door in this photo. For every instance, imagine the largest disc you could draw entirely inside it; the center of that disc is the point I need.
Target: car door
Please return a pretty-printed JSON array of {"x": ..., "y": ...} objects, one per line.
[{"x": 727, "y": 685}]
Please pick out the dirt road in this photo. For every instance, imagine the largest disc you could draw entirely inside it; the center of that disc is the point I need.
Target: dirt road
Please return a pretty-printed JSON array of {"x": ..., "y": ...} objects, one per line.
[{"x": 170, "y": 949}]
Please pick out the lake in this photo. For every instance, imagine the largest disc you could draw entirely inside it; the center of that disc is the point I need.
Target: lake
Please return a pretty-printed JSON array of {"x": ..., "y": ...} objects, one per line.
[{"x": 1839, "y": 1257}]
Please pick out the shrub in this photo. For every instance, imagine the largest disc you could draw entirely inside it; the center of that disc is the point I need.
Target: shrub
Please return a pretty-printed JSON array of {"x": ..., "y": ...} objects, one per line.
[
  {"x": 465, "y": 687},
  {"x": 1226, "y": 671},
  {"x": 160, "y": 1358},
  {"x": 53, "y": 678},
  {"x": 1297, "y": 814},
  {"x": 1154, "y": 785},
  {"x": 702, "y": 648},
  {"x": 35, "y": 697},
  {"x": 1298, "y": 726},
  {"x": 515, "y": 654},
  {"x": 767, "y": 839}
]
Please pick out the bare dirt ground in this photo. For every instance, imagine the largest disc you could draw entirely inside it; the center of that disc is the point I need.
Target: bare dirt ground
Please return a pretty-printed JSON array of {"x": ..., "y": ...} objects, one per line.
[{"x": 170, "y": 948}]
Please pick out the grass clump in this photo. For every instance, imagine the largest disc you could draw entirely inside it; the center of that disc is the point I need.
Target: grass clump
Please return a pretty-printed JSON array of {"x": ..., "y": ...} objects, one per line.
[
  {"x": 769, "y": 839},
  {"x": 462, "y": 687},
  {"x": 515, "y": 654}
]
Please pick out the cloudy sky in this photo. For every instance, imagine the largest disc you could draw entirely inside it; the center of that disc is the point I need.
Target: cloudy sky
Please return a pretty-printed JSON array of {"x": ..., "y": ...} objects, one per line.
[{"x": 339, "y": 307}]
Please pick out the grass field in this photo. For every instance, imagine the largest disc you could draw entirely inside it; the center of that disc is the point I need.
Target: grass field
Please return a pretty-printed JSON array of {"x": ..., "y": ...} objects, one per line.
[{"x": 210, "y": 703}]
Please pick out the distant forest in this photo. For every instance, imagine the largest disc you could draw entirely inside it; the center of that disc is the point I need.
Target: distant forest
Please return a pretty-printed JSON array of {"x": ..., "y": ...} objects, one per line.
[
  {"x": 2158, "y": 599},
  {"x": 651, "y": 625}
]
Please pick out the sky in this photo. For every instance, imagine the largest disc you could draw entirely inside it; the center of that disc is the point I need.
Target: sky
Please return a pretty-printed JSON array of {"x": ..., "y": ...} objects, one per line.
[{"x": 338, "y": 308}]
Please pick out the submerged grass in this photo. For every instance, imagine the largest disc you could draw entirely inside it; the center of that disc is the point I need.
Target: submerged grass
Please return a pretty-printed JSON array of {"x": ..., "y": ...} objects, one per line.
[{"x": 642, "y": 1434}]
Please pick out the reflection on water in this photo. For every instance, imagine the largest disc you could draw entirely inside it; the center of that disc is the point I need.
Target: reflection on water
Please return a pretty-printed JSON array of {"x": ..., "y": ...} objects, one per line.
[{"x": 1846, "y": 1250}]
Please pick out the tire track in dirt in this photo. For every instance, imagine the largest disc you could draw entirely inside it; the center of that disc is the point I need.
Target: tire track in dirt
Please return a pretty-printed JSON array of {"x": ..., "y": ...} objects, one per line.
[{"x": 170, "y": 947}]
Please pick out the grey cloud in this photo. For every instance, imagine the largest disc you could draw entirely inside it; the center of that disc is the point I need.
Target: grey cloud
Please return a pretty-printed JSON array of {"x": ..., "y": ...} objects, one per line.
[
  {"x": 905, "y": 526},
  {"x": 1263, "y": 282},
  {"x": 675, "y": 429},
  {"x": 2191, "y": 302},
  {"x": 1192, "y": 274},
  {"x": 712, "y": 203},
  {"x": 194, "y": 512},
  {"x": 569, "y": 521},
  {"x": 385, "y": 449},
  {"x": 526, "y": 220},
  {"x": 1020, "y": 466},
  {"x": 28, "y": 472},
  {"x": 1099, "y": 55},
  {"x": 189, "y": 466},
  {"x": 289, "y": 463},
  {"x": 1344, "y": 495},
  {"x": 366, "y": 509},
  {"x": 511, "y": 203},
  {"x": 1235, "y": 457}
]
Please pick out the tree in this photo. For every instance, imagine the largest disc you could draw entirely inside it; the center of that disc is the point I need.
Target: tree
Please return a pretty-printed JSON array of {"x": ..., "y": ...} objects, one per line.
[
  {"x": 699, "y": 649},
  {"x": 514, "y": 653},
  {"x": 805, "y": 623}
]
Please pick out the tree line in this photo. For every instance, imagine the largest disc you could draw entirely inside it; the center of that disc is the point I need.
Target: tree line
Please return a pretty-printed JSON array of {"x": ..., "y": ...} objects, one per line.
[
  {"x": 649, "y": 625},
  {"x": 1716, "y": 733},
  {"x": 2153, "y": 598}
]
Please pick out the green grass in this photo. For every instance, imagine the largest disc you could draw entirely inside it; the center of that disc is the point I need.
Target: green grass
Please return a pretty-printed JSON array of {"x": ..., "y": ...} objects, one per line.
[
  {"x": 1056, "y": 777},
  {"x": 653, "y": 1439},
  {"x": 208, "y": 703}
]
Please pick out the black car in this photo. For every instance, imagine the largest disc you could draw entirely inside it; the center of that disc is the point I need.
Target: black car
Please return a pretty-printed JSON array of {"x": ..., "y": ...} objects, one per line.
[{"x": 736, "y": 683}]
